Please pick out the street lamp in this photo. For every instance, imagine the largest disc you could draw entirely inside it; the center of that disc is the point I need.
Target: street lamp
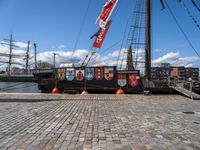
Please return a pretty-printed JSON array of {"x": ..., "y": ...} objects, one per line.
[{"x": 54, "y": 60}]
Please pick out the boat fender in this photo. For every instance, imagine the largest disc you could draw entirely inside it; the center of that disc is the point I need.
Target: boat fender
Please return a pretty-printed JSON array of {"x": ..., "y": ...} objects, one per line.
[
  {"x": 55, "y": 91},
  {"x": 84, "y": 92},
  {"x": 120, "y": 91}
]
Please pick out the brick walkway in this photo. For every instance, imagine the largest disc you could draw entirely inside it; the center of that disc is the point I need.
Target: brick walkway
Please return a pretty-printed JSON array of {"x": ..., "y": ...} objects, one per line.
[{"x": 101, "y": 122}]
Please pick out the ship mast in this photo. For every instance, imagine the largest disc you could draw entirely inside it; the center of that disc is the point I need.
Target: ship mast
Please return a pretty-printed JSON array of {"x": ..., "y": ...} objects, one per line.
[{"x": 148, "y": 41}]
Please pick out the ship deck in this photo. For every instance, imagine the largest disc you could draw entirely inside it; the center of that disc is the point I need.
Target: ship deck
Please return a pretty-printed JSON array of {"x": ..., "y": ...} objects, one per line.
[{"x": 46, "y": 121}]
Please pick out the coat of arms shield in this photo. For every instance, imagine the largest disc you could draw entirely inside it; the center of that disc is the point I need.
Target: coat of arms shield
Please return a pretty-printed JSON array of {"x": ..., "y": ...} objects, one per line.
[
  {"x": 133, "y": 81},
  {"x": 80, "y": 74},
  {"x": 108, "y": 73},
  {"x": 121, "y": 79},
  {"x": 70, "y": 74},
  {"x": 89, "y": 73}
]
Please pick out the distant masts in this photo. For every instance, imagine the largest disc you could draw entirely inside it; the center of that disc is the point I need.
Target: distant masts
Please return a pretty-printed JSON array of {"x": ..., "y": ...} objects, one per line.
[
  {"x": 35, "y": 48},
  {"x": 9, "y": 42},
  {"x": 27, "y": 57}
]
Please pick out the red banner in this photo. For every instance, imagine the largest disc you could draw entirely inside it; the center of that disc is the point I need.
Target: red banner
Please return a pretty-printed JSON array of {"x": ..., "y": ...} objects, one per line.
[
  {"x": 106, "y": 13},
  {"x": 101, "y": 36}
]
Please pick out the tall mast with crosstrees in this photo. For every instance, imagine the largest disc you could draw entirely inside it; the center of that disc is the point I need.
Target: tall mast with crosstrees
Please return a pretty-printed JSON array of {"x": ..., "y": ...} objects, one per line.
[{"x": 148, "y": 41}]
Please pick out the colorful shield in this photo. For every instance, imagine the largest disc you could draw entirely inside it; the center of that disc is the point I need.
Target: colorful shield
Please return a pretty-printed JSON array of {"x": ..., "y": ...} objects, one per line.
[
  {"x": 89, "y": 73},
  {"x": 80, "y": 74},
  {"x": 121, "y": 79},
  {"x": 109, "y": 73},
  {"x": 99, "y": 71},
  {"x": 133, "y": 81},
  {"x": 61, "y": 74},
  {"x": 70, "y": 74}
]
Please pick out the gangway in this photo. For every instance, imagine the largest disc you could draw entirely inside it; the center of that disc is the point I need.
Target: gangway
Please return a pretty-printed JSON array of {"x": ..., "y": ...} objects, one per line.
[{"x": 186, "y": 92}]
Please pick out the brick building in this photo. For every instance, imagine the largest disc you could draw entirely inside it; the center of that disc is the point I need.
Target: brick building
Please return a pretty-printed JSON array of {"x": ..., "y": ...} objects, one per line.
[
  {"x": 164, "y": 71},
  {"x": 178, "y": 73},
  {"x": 192, "y": 73}
]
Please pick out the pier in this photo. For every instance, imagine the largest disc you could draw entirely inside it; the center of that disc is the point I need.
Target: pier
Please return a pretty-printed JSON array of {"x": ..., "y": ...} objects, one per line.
[{"x": 60, "y": 122}]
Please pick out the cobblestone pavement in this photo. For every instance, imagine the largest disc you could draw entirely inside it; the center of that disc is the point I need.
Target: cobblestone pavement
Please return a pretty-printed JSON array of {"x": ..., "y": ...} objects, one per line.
[{"x": 101, "y": 122}]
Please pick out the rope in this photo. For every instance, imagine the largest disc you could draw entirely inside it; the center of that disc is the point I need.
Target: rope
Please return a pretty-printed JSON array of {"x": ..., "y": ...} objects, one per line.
[
  {"x": 190, "y": 15},
  {"x": 181, "y": 29},
  {"x": 114, "y": 15},
  {"x": 195, "y": 5},
  {"x": 122, "y": 43},
  {"x": 81, "y": 28},
  {"x": 106, "y": 50},
  {"x": 139, "y": 36},
  {"x": 86, "y": 56}
]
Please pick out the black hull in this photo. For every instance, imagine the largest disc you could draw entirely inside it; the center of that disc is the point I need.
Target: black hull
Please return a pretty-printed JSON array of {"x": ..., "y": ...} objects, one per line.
[
  {"x": 47, "y": 80},
  {"x": 71, "y": 87}
]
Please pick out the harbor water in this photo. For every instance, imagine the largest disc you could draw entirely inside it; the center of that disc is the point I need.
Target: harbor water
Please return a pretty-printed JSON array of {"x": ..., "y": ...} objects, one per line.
[{"x": 19, "y": 87}]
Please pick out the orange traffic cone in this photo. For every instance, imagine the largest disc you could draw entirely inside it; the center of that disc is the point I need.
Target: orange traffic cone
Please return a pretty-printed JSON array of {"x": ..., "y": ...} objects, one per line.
[
  {"x": 55, "y": 91},
  {"x": 120, "y": 91}
]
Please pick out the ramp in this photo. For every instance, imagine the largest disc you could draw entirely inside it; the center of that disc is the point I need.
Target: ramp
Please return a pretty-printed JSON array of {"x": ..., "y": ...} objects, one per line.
[{"x": 186, "y": 92}]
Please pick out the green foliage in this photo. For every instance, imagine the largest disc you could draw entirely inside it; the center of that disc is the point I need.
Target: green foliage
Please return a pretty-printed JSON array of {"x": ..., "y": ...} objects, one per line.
[{"x": 44, "y": 65}]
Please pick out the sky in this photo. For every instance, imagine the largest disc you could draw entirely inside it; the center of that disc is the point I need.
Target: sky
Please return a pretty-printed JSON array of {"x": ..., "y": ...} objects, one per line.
[{"x": 54, "y": 25}]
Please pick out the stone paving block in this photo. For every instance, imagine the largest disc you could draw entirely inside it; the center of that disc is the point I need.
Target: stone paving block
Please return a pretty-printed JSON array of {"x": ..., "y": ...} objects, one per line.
[{"x": 100, "y": 122}]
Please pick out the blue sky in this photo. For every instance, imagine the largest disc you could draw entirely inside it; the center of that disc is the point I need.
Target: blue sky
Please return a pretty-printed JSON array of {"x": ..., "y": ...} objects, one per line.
[{"x": 54, "y": 25}]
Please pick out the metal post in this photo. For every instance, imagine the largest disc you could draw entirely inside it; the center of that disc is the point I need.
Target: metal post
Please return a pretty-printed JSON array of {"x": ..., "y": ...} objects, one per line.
[
  {"x": 27, "y": 57},
  {"x": 191, "y": 84},
  {"x": 10, "y": 55},
  {"x": 54, "y": 60},
  {"x": 148, "y": 41},
  {"x": 35, "y": 47}
]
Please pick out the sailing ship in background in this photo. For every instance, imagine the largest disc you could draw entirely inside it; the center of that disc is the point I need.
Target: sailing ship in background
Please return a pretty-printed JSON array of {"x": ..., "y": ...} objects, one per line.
[{"x": 11, "y": 73}]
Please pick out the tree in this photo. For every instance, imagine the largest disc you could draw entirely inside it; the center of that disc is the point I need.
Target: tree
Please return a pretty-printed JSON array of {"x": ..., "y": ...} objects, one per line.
[{"x": 44, "y": 65}]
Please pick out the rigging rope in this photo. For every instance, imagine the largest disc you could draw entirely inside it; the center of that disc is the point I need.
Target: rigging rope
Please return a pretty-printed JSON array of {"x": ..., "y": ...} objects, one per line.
[
  {"x": 122, "y": 43},
  {"x": 106, "y": 50},
  {"x": 94, "y": 52},
  {"x": 195, "y": 5},
  {"x": 181, "y": 29},
  {"x": 135, "y": 8},
  {"x": 86, "y": 56},
  {"x": 81, "y": 28},
  {"x": 134, "y": 35},
  {"x": 190, "y": 15},
  {"x": 139, "y": 35}
]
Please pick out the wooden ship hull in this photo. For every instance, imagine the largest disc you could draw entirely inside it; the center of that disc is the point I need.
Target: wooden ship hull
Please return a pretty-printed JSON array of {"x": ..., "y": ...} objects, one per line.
[{"x": 98, "y": 82}]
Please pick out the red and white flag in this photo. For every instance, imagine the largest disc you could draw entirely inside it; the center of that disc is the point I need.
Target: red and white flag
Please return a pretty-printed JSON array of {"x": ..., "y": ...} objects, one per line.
[
  {"x": 133, "y": 81},
  {"x": 101, "y": 36},
  {"x": 106, "y": 13}
]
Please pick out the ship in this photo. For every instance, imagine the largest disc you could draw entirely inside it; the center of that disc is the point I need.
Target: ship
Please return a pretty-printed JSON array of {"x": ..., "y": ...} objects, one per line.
[
  {"x": 108, "y": 79},
  {"x": 96, "y": 79}
]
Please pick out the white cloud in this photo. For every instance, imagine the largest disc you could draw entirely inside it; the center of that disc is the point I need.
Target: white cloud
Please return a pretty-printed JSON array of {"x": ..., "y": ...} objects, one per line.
[
  {"x": 175, "y": 59},
  {"x": 63, "y": 56},
  {"x": 22, "y": 45},
  {"x": 169, "y": 57}
]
